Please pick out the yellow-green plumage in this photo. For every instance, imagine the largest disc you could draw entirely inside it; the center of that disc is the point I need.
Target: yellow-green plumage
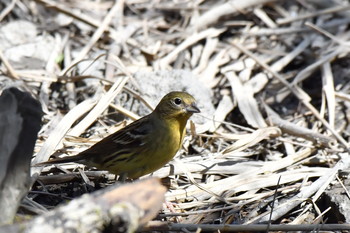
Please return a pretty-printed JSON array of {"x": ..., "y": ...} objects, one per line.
[{"x": 146, "y": 144}]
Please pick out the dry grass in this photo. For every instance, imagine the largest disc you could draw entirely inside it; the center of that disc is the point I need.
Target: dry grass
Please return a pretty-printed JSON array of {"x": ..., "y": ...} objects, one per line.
[{"x": 278, "y": 76}]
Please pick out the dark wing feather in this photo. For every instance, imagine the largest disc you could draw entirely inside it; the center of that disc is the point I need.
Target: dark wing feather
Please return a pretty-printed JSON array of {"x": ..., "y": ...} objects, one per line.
[
  {"x": 119, "y": 143},
  {"x": 113, "y": 146}
]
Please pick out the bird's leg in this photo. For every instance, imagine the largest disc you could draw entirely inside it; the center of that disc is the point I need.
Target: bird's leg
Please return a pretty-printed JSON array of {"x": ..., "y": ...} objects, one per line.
[
  {"x": 122, "y": 177},
  {"x": 171, "y": 208}
]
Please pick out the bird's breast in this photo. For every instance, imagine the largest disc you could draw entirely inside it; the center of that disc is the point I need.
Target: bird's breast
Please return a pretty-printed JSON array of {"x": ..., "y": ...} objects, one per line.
[
  {"x": 159, "y": 148},
  {"x": 167, "y": 143}
]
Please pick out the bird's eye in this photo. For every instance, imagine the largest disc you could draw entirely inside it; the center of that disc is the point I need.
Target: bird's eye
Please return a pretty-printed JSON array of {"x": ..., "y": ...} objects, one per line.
[{"x": 177, "y": 101}]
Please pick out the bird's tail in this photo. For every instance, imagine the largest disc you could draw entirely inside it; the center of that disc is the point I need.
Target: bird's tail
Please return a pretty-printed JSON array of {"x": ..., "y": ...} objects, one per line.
[{"x": 67, "y": 159}]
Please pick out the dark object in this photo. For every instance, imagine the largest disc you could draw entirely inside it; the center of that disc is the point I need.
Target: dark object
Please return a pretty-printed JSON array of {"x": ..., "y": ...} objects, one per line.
[{"x": 20, "y": 121}]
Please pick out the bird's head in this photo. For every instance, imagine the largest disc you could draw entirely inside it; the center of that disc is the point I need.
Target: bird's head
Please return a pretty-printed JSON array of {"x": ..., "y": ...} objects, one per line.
[{"x": 177, "y": 105}]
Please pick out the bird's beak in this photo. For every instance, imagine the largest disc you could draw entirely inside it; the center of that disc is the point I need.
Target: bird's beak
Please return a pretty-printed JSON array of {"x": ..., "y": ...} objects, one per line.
[{"x": 192, "y": 108}]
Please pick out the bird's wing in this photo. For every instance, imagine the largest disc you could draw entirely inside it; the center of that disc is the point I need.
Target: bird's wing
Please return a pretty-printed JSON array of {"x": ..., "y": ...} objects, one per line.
[{"x": 122, "y": 143}]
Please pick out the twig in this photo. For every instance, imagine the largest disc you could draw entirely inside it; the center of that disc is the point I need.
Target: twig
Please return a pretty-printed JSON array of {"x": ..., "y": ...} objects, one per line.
[
  {"x": 61, "y": 129},
  {"x": 12, "y": 73},
  {"x": 317, "y": 187},
  {"x": 293, "y": 30},
  {"x": 301, "y": 95},
  {"x": 211, "y": 32},
  {"x": 101, "y": 105},
  {"x": 295, "y": 130},
  {"x": 313, "y": 14},
  {"x": 163, "y": 226},
  {"x": 228, "y": 8},
  {"x": 98, "y": 33},
  {"x": 7, "y": 9},
  {"x": 343, "y": 186},
  {"x": 272, "y": 205}
]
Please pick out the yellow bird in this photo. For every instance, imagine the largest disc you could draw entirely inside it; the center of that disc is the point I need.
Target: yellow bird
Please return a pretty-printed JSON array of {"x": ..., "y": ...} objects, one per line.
[{"x": 143, "y": 146}]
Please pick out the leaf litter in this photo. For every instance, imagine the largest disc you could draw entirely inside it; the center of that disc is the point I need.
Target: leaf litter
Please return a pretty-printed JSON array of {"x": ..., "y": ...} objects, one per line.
[{"x": 272, "y": 78}]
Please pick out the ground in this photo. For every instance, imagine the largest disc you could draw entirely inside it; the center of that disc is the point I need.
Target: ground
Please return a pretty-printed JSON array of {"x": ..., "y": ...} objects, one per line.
[{"x": 271, "y": 79}]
